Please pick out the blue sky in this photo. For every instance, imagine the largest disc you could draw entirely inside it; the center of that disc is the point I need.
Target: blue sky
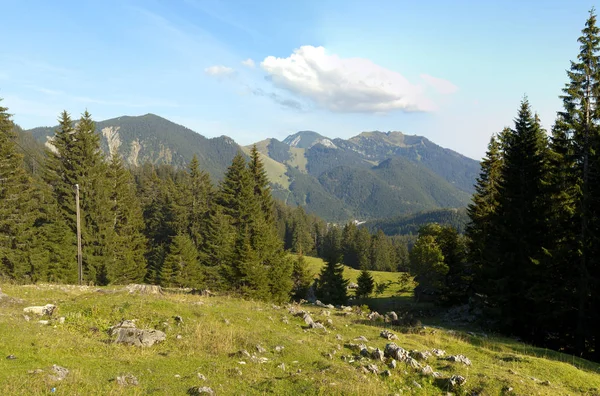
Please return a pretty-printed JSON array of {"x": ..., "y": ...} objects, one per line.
[{"x": 453, "y": 71}]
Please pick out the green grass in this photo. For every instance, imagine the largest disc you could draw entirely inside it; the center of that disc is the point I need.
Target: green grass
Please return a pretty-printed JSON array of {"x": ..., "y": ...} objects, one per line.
[{"x": 215, "y": 327}]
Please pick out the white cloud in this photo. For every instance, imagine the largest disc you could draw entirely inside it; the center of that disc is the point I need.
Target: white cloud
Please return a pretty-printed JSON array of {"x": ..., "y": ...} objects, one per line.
[
  {"x": 248, "y": 62},
  {"x": 219, "y": 71},
  {"x": 344, "y": 84},
  {"x": 443, "y": 87}
]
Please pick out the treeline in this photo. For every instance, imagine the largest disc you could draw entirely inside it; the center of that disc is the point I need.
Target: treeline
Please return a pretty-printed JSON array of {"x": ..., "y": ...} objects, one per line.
[
  {"x": 307, "y": 234},
  {"x": 158, "y": 224}
]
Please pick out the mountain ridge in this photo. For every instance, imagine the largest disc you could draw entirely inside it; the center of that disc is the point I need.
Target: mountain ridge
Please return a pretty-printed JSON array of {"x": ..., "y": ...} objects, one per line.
[{"x": 371, "y": 175}]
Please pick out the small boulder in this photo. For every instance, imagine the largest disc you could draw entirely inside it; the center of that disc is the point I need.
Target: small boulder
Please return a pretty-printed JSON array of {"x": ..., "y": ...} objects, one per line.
[
  {"x": 377, "y": 354},
  {"x": 45, "y": 310},
  {"x": 279, "y": 348},
  {"x": 459, "y": 359},
  {"x": 395, "y": 352},
  {"x": 281, "y": 366},
  {"x": 392, "y": 364},
  {"x": 59, "y": 373},
  {"x": 438, "y": 352},
  {"x": 11, "y": 357},
  {"x": 127, "y": 380},
  {"x": 391, "y": 316},
  {"x": 375, "y": 316},
  {"x": 456, "y": 381},
  {"x": 388, "y": 335},
  {"x": 260, "y": 349},
  {"x": 387, "y": 373},
  {"x": 413, "y": 363},
  {"x": 200, "y": 390},
  {"x": 201, "y": 377},
  {"x": 372, "y": 368},
  {"x": 127, "y": 333},
  {"x": 361, "y": 338},
  {"x": 420, "y": 355}
]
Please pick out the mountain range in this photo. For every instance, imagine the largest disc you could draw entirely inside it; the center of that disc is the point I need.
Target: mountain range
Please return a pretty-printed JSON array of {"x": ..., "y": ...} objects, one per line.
[{"x": 372, "y": 175}]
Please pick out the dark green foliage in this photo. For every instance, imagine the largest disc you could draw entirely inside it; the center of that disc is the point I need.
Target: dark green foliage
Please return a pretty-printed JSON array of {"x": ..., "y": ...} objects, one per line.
[
  {"x": 428, "y": 267},
  {"x": 181, "y": 267},
  {"x": 16, "y": 217},
  {"x": 366, "y": 284},
  {"x": 520, "y": 231},
  {"x": 383, "y": 255},
  {"x": 128, "y": 245},
  {"x": 301, "y": 278},
  {"x": 411, "y": 224},
  {"x": 331, "y": 286}
]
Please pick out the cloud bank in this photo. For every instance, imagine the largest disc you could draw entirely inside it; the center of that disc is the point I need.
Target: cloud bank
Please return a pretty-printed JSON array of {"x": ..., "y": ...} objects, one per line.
[{"x": 345, "y": 85}]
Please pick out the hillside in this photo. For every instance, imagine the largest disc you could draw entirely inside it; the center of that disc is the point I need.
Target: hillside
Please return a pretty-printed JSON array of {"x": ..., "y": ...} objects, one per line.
[
  {"x": 213, "y": 342},
  {"x": 150, "y": 138},
  {"x": 410, "y": 224}
]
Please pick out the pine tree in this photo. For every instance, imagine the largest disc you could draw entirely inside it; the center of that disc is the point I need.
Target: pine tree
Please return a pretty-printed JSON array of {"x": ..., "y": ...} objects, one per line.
[
  {"x": 128, "y": 243},
  {"x": 362, "y": 246},
  {"x": 301, "y": 277},
  {"x": 262, "y": 189},
  {"x": 428, "y": 267},
  {"x": 382, "y": 253},
  {"x": 181, "y": 267},
  {"x": 16, "y": 217},
  {"x": 521, "y": 230},
  {"x": 331, "y": 286},
  {"x": 366, "y": 284},
  {"x": 579, "y": 124},
  {"x": 483, "y": 206}
]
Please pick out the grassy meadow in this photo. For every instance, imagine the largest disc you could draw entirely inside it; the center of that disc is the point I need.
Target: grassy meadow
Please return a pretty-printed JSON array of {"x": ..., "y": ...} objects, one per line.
[{"x": 214, "y": 329}]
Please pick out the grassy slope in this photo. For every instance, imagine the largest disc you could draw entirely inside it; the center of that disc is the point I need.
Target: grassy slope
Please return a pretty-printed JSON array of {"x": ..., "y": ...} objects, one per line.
[
  {"x": 215, "y": 327},
  {"x": 275, "y": 170}
]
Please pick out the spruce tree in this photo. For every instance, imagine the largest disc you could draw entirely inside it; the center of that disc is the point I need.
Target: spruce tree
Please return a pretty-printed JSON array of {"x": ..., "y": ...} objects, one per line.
[
  {"x": 428, "y": 267},
  {"x": 301, "y": 277},
  {"x": 483, "y": 205},
  {"x": 331, "y": 286},
  {"x": 578, "y": 123},
  {"x": 129, "y": 244},
  {"x": 521, "y": 230},
  {"x": 16, "y": 217},
  {"x": 366, "y": 284},
  {"x": 181, "y": 267}
]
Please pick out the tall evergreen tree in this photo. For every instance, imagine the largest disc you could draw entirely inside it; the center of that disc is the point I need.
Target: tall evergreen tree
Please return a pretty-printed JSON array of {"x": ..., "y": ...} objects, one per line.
[
  {"x": 579, "y": 123},
  {"x": 483, "y": 205},
  {"x": 521, "y": 229},
  {"x": 16, "y": 217},
  {"x": 331, "y": 286},
  {"x": 366, "y": 284},
  {"x": 181, "y": 267},
  {"x": 128, "y": 244}
]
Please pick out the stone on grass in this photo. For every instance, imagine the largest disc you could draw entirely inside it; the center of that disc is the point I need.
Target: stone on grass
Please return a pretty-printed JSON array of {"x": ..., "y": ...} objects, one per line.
[
  {"x": 420, "y": 355},
  {"x": 47, "y": 309},
  {"x": 260, "y": 349},
  {"x": 456, "y": 381},
  {"x": 387, "y": 373},
  {"x": 281, "y": 366},
  {"x": 361, "y": 338},
  {"x": 392, "y": 364},
  {"x": 413, "y": 363},
  {"x": 388, "y": 335},
  {"x": 438, "y": 352},
  {"x": 44, "y": 322},
  {"x": 377, "y": 354},
  {"x": 308, "y": 319},
  {"x": 279, "y": 348},
  {"x": 339, "y": 337},
  {"x": 11, "y": 357},
  {"x": 391, "y": 316},
  {"x": 416, "y": 384},
  {"x": 395, "y": 352},
  {"x": 374, "y": 316},
  {"x": 459, "y": 359},
  {"x": 372, "y": 368},
  {"x": 127, "y": 380},
  {"x": 144, "y": 289},
  {"x": 59, "y": 373},
  {"x": 127, "y": 333},
  {"x": 200, "y": 390},
  {"x": 201, "y": 377}
]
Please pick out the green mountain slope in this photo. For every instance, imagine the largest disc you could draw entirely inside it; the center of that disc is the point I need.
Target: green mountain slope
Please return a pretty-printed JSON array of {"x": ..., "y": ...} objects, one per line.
[{"x": 150, "y": 138}]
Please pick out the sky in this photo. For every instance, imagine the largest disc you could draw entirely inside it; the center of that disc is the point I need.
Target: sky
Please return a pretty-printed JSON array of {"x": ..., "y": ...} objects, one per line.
[{"x": 452, "y": 71}]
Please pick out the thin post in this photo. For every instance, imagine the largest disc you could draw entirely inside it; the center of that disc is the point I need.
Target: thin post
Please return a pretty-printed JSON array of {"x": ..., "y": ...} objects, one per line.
[{"x": 79, "y": 255}]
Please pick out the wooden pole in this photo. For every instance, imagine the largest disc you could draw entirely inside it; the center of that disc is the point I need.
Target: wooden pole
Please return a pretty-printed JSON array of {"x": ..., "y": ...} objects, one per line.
[{"x": 79, "y": 254}]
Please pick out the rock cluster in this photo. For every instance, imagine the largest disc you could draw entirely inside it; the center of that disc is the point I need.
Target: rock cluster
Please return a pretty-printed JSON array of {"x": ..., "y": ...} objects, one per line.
[{"x": 127, "y": 333}]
